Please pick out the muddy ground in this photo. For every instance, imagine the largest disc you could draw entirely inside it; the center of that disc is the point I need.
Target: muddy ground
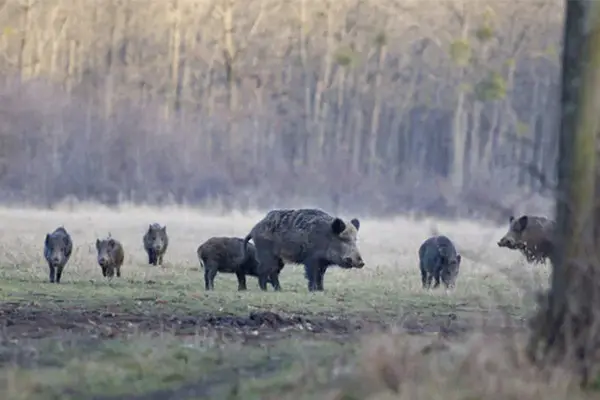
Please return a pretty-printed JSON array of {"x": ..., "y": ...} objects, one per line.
[
  {"x": 20, "y": 321},
  {"x": 23, "y": 324}
]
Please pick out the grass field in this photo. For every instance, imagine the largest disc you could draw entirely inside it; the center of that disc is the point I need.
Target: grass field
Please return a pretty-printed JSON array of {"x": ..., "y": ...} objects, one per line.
[{"x": 155, "y": 333}]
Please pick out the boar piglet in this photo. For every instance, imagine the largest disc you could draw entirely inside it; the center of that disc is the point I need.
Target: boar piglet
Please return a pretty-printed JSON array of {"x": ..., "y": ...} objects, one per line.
[
  {"x": 156, "y": 242},
  {"x": 110, "y": 256},
  {"x": 57, "y": 251},
  {"x": 438, "y": 259},
  {"x": 228, "y": 255}
]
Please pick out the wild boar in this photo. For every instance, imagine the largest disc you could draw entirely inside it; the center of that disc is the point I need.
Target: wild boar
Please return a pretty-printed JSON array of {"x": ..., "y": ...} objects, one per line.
[
  {"x": 227, "y": 255},
  {"x": 110, "y": 256},
  {"x": 532, "y": 235},
  {"x": 156, "y": 242},
  {"x": 304, "y": 236},
  {"x": 438, "y": 258},
  {"x": 57, "y": 251}
]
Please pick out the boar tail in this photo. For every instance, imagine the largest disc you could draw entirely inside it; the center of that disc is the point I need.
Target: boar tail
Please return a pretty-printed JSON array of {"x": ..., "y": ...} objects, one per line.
[{"x": 246, "y": 240}]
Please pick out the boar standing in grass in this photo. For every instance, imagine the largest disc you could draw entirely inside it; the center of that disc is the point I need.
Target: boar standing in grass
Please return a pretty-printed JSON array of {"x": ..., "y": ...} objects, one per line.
[
  {"x": 438, "y": 258},
  {"x": 57, "y": 251},
  {"x": 227, "y": 255},
  {"x": 156, "y": 242},
  {"x": 304, "y": 236},
  {"x": 532, "y": 235},
  {"x": 110, "y": 256}
]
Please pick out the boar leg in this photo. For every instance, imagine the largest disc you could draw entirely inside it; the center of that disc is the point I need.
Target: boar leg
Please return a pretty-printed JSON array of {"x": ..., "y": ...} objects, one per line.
[
  {"x": 51, "y": 273},
  {"x": 274, "y": 279},
  {"x": 311, "y": 271},
  {"x": 436, "y": 274},
  {"x": 241, "y": 277},
  {"x": 429, "y": 280},
  {"x": 58, "y": 274},
  {"x": 320, "y": 276},
  {"x": 151, "y": 257},
  {"x": 268, "y": 264},
  {"x": 210, "y": 271},
  {"x": 423, "y": 278}
]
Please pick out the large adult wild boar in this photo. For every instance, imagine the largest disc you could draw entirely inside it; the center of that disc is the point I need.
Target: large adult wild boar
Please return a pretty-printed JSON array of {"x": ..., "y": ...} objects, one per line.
[
  {"x": 57, "y": 251},
  {"x": 532, "y": 235},
  {"x": 438, "y": 259},
  {"x": 110, "y": 256},
  {"x": 304, "y": 236},
  {"x": 228, "y": 255},
  {"x": 156, "y": 242}
]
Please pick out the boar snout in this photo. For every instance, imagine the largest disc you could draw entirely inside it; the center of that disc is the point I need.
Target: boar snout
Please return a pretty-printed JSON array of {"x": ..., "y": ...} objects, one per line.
[
  {"x": 507, "y": 242},
  {"x": 357, "y": 262}
]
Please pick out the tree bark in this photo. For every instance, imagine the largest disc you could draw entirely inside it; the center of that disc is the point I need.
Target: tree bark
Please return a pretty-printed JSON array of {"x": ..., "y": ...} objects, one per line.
[{"x": 567, "y": 327}]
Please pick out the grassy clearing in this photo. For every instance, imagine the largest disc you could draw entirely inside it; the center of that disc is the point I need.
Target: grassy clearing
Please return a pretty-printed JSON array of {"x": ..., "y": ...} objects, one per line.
[
  {"x": 147, "y": 365},
  {"x": 390, "y": 280},
  {"x": 93, "y": 338}
]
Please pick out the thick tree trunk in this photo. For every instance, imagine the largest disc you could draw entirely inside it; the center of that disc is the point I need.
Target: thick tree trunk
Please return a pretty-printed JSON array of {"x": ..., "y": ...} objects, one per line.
[{"x": 567, "y": 327}]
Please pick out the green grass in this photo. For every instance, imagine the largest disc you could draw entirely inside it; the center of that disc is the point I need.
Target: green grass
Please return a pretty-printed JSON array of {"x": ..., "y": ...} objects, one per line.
[
  {"x": 144, "y": 365},
  {"x": 153, "y": 362},
  {"x": 193, "y": 298}
]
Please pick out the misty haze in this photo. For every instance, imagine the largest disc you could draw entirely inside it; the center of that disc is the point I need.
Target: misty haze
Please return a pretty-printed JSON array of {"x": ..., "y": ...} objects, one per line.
[
  {"x": 365, "y": 106},
  {"x": 294, "y": 200}
]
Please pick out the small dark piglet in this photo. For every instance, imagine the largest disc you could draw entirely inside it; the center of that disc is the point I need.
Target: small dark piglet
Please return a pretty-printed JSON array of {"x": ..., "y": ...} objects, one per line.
[
  {"x": 110, "y": 256},
  {"x": 57, "y": 251},
  {"x": 438, "y": 258},
  {"x": 156, "y": 242},
  {"x": 228, "y": 255}
]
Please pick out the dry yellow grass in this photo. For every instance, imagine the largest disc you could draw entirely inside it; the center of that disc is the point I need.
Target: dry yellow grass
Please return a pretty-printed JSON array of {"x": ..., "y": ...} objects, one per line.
[
  {"x": 389, "y": 248},
  {"x": 481, "y": 365}
]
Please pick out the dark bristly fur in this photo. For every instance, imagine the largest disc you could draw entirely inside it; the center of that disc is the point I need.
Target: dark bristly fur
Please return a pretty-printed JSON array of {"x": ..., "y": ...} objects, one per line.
[
  {"x": 438, "y": 258},
  {"x": 110, "y": 256},
  {"x": 57, "y": 251},
  {"x": 304, "y": 236},
  {"x": 533, "y": 236},
  {"x": 156, "y": 242},
  {"x": 227, "y": 255}
]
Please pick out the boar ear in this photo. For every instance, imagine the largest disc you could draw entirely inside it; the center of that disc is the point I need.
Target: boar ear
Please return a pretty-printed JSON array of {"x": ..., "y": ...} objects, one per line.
[
  {"x": 338, "y": 226},
  {"x": 97, "y": 244},
  {"x": 356, "y": 223},
  {"x": 522, "y": 223},
  {"x": 458, "y": 258},
  {"x": 47, "y": 239},
  {"x": 164, "y": 229},
  {"x": 511, "y": 219},
  {"x": 150, "y": 227}
]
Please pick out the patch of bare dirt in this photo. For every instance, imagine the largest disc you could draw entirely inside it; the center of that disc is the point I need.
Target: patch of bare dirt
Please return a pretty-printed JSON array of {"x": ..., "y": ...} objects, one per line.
[{"x": 20, "y": 321}]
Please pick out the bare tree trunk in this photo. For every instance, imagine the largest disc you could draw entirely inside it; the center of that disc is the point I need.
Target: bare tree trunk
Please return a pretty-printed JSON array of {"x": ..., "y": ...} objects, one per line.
[
  {"x": 321, "y": 106},
  {"x": 26, "y": 50},
  {"x": 567, "y": 327},
  {"x": 373, "y": 160},
  {"x": 175, "y": 91},
  {"x": 307, "y": 84},
  {"x": 459, "y": 134},
  {"x": 229, "y": 54}
]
